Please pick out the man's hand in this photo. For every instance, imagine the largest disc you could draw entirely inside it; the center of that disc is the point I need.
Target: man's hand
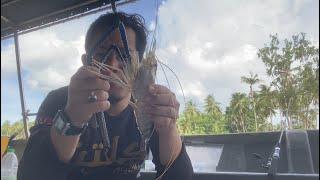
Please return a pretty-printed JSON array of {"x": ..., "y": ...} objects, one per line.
[
  {"x": 162, "y": 108},
  {"x": 83, "y": 84},
  {"x": 79, "y": 109}
]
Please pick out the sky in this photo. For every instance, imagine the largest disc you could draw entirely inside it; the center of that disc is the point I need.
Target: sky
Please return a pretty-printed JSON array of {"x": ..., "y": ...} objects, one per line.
[{"x": 209, "y": 44}]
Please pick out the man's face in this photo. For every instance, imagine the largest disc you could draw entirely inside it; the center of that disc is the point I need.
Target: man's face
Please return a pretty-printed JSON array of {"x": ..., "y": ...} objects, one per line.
[{"x": 116, "y": 91}]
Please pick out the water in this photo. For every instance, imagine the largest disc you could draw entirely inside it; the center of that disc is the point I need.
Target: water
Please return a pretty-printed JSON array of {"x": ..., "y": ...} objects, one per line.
[
  {"x": 9, "y": 166},
  {"x": 204, "y": 158},
  {"x": 148, "y": 165}
]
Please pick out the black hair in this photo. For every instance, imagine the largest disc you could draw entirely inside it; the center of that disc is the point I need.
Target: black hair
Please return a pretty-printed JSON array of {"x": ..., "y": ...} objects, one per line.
[{"x": 105, "y": 21}]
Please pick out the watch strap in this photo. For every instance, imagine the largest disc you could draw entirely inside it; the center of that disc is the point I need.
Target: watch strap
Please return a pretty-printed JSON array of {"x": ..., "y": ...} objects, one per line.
[{"x": 64, "y": 126}]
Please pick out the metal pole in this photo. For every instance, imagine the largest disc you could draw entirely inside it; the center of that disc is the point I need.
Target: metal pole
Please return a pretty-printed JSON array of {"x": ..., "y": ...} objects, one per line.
[{"x": 24, "y": 115}]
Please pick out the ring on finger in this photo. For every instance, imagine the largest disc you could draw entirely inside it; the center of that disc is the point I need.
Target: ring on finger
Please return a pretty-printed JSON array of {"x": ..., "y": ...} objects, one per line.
[{"x": 92, "y": 97}]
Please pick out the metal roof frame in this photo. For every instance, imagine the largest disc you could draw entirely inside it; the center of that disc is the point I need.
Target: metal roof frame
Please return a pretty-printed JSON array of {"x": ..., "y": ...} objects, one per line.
[{"x": 16, "y": 17}]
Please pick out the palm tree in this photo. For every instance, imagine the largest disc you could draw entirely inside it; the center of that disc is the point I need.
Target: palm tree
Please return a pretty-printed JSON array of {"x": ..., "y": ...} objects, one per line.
[
  {"x": 191, "y": 114},
  {"x": 211, "y": 106},
  {"x": 252, "y": 80},
  {"x": 214, "y": 115},
  {"x": 191, "y": 109},
  {"x": 267, "y": 103},
  {"x": 238, "y": 112}
]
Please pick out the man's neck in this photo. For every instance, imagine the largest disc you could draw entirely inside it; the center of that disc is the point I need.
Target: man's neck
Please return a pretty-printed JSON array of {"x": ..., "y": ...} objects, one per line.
[{"x": 118, "y": 107}]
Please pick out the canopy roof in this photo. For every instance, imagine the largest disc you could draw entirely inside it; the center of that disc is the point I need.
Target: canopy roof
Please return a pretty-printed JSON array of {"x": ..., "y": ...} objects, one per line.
[{"x": 30, "y": 15}]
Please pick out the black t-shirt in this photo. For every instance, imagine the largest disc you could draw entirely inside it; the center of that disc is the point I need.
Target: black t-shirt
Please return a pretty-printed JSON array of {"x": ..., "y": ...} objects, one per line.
[{"x": 122, "y": 162}]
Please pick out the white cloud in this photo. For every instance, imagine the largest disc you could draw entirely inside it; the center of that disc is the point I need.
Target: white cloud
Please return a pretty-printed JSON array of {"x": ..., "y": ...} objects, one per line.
[
  {"x": 47, "y": 60},
  {"x": 152, "y": 26},
  {"x": 194, "y": 89},
  {"x": 212, "y": 43},
  {"x": 8, "y": 62}
]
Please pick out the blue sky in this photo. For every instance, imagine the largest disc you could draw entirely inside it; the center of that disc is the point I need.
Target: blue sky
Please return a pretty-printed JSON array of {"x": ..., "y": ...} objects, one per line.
[
  {"x": 10, "y": 98},
  {"x": 208, "y": 43}
]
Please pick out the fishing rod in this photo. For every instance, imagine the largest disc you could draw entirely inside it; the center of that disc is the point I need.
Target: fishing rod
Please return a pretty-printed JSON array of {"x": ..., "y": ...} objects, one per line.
[{"x": 273, "y": 160}]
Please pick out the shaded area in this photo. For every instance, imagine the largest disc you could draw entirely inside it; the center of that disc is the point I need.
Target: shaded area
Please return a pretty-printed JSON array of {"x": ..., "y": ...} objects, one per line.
[
  {"x": 237, "y": 160},
  {"x": 25, "y": 15}
]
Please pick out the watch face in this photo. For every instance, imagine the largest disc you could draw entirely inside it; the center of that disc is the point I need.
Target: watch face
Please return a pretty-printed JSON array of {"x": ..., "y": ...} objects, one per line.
[
  {"x": 64, "y": 127},
  {"x": 59, "y": 123}
]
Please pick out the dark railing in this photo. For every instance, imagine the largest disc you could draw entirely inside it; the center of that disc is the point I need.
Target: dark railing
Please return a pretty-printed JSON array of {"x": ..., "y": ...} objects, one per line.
[{"x": 299, "y": 155}]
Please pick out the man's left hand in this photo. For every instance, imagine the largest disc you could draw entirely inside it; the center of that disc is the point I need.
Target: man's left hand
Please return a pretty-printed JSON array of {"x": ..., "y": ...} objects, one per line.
[{"x": 163, "y": 108}]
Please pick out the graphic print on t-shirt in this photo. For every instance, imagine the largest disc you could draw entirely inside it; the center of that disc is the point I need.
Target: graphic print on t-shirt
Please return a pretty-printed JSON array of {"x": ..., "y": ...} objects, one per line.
[{"x": 127, "y": 151}]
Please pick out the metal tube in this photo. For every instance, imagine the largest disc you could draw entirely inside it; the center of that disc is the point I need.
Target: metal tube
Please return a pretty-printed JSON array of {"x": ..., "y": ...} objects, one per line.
[
  {"x": 16, "y": 47},
  {"x": 7, "y": 3},
  {"x": 35, "y": 28},
  {"x": 31, "y": 114}
]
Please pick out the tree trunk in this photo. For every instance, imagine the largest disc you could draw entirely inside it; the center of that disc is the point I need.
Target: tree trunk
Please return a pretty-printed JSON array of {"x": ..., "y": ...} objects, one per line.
[
  {"x": 255, "y": 116},
  {"x": 307, "y": 118},
  {"x": 237, "y": 128},
  {"x": 287, "y": 116},
  {"x": 271, "y": 123},
  {"x": 254, "y": 109}
]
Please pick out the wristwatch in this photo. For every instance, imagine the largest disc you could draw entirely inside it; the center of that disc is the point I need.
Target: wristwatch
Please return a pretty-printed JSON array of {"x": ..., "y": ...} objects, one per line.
[{"x": 64, "y": 126}]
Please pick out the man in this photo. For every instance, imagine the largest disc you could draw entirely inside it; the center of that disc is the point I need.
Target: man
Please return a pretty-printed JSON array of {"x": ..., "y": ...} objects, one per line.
[{"x": 78, "y": 152}]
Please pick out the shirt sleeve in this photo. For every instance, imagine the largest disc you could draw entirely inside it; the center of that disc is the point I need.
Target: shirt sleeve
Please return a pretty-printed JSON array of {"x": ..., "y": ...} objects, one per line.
[
  {"x": 181, "y": 168},
  {"x": 39, "y": 160}
]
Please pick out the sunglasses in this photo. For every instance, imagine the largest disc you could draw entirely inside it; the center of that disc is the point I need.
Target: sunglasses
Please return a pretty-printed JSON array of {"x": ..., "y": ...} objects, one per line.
[{"x": 123, "y": 54}]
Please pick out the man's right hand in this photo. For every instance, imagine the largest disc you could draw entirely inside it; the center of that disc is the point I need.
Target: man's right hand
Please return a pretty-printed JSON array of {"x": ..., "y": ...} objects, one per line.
[
  {"x": 83, "y": 83},
  {"x": 79, "y": 109}
]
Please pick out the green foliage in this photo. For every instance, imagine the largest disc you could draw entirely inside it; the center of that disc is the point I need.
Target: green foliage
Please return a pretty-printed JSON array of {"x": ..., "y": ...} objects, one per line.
[
  {"x": 294, "y": 69},
  {"x": 8, "y": 129},
  {"x": 252, "y": 80},
  {"x": 239, "y": 115},
  {"x": 266, "y": 106},
  {"x": 211, "y": 121}
]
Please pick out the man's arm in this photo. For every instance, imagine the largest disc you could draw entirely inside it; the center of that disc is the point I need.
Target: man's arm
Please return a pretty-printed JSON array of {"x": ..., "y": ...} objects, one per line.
[
  {"x": 167, "y": 148},
  {"x": 40, "y": 160},
  {"x": 181, "y": 168},
  {"x": 79, "y": 110},
  {"x": 47, "y": 150},
  {"x": 169, "y": 144}
]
